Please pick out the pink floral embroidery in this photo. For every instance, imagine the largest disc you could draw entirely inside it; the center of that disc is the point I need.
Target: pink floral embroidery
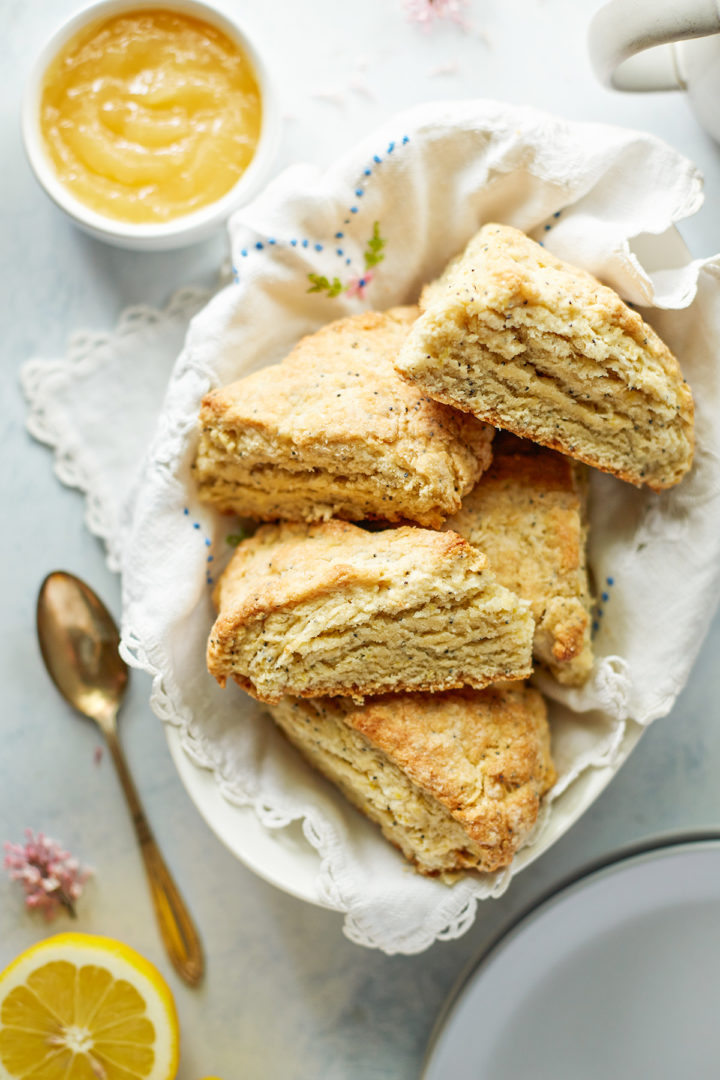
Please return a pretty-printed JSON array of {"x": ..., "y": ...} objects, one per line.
[
  {"x": 358, "y": 285},
  {"x": 373, "y": 255},
  {"x": 51, "y": 877}
]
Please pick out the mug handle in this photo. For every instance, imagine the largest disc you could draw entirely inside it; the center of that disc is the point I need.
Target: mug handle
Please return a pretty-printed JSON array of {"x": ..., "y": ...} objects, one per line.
[{"x": 622, "y": 31}]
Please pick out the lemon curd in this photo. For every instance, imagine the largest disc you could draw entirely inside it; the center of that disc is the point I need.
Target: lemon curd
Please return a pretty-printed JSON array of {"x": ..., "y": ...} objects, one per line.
[{"x": 150, "y": 115}]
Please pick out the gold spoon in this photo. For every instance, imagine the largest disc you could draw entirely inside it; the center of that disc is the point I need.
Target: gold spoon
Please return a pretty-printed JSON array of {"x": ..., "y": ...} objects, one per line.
[{"x": 79, "y": 644}]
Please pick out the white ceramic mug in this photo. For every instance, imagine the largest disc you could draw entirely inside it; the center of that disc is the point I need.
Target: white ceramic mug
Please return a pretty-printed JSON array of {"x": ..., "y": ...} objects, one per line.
[{"x": 662, "y": 45}]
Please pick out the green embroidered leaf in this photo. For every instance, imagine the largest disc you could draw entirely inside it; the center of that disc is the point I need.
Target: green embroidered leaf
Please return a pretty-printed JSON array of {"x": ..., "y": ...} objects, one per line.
[
  {"x": 233, "y": 539},
  {"x": 375, "y": 245},
  {"x": 319, "y": 283}
]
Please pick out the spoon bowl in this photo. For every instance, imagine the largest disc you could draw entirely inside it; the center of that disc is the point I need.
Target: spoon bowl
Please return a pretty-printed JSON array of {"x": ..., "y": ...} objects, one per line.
[{"x": 79, "y": 644}]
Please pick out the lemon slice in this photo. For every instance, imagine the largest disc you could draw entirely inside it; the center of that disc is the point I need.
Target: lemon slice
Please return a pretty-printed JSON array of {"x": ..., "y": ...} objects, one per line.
[{"x": 78, "y": 1007}]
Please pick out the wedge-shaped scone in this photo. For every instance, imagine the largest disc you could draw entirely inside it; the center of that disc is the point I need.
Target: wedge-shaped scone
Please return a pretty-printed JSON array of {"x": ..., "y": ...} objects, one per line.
[
  {"x": 454, "y": 780},
  {"x": 529, "y": 343},
  {"x": 331, "y": 609},
  {"x": 528, "y": 515},
  {"x": 333, "y": 431}
]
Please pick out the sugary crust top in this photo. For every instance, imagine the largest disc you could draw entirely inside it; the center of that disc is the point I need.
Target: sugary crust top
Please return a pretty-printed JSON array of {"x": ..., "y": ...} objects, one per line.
[
  {"x": 339, "y": 384},
  {"x": 526, "y": 480},
  {"x": 528, "y": 513},
  {"x": 283, "y": 565},
  {"x": 485, "y": 755}
]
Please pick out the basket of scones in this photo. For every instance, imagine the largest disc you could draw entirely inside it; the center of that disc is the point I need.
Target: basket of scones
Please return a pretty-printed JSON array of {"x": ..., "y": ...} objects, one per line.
[
  {"x": 396, "y": 657},
  {"x": 430, "y": 528}
]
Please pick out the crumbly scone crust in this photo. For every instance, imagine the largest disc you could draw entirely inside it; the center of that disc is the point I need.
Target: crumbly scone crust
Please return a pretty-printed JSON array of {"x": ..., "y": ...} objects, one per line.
[
  {"x": 453, "y": 779},
  {"x": 333, "y": 431},
  {"x": 528, "y": 343},
  {"x": 331, "y": 609},
  {"x": 528, "y": 514}
]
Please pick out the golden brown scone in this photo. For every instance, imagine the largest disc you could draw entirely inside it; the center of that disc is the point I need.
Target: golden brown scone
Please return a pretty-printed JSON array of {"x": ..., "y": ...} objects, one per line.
[
  {"x": 454, "y": 780},
  {"x": 529, "y": 343},
  {"x": 331, "y": 609},
  {"x": 333, "y": 431},
  {"x": 528, "y": 515}
]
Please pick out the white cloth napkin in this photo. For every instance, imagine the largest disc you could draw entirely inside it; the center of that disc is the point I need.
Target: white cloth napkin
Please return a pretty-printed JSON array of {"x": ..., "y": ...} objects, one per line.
[{"x": 601, "y": 197}]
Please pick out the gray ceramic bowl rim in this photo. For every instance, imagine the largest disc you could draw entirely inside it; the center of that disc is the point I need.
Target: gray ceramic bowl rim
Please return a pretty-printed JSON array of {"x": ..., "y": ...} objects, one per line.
[{"x": 632, "y": 853}]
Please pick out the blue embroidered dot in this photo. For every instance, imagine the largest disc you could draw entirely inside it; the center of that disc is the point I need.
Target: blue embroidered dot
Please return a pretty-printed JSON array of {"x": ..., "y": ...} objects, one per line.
[
  {"x": 368, "y": 172},
  {"x": 293, "y": 243},
  {"x": 353, "y": 209},
  {"x": 339, "y": 235},
  {"x": 244, "y": 253},
  {"x": 186, "y": 511},
  {"x": 195, "y": 525},
  {"x": 359, "y": 192},
  {"x": 210, "y": 558},
  {"x": 340, "y": 251},
  {"x": 305, "y": 243},
  {"x": 605, "y": 597},
  {"x": 596, "y": 627},
  {"x": 600, "y": 613},
  {"x": 391, "y": 147},
  {"x": 541, "y": 243},
  {"x": 270, "y": 241},
  {"x": 610, "y": 581},
  {"x": 406, "y": 139},
  {"x": 377, "y": 159},
  {"x": 259, "y": 246},
  {"x": 318, "y": 247},
  {"x": 347, "y": 262},
  {"x": 207, "y": 542},
  {"x": 557, "y": 213},
  {"x": 548, "y": 228}
]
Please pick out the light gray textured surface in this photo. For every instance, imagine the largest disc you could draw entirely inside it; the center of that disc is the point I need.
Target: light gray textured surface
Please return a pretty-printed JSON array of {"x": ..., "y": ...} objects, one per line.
[{"x": 286, "y": 995}]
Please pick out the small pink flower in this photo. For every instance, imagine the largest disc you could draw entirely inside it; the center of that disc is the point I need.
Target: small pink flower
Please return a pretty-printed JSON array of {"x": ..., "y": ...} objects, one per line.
[
  {"x": 358, "y": 285},
  {"x": 425, "y": 12},
  {"x": 51, "y": 877}
]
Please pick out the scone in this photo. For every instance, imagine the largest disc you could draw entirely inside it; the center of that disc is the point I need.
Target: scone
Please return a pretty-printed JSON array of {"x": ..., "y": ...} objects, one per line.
[
  {"x": 333, "y": 431},
  {"x": 528, "y": 515},
  {"x": 529, "y": 343},
  {"x": 454, "y": 780},
  {"x": 331, "y": 609}
]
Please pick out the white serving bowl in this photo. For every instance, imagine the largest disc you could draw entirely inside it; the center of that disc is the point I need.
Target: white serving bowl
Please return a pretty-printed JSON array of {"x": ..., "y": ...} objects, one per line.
[{"x": 188, "y": 228}]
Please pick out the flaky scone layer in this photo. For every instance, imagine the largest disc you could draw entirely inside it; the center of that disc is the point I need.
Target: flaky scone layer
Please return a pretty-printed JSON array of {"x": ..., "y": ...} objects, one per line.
[
  {"x": 528, "y": 515},
  {"x": 333, "y": 431},
  {"x": 529, "y": 343},
  {"x": 331, "y": 609},
  {"x": 454, "y": 780}
]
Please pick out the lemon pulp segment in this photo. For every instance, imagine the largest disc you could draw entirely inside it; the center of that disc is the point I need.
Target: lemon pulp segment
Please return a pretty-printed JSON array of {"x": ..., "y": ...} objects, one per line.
[{"x": 77, "y": 1007}]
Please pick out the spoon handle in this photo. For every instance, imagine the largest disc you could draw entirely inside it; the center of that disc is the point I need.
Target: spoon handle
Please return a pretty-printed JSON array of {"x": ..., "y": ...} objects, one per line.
[{"x": 178, "y": 931}]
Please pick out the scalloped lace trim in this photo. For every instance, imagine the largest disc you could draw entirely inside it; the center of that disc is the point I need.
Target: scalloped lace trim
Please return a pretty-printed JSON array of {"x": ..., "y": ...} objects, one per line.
[{"x": 88, "y": 353}]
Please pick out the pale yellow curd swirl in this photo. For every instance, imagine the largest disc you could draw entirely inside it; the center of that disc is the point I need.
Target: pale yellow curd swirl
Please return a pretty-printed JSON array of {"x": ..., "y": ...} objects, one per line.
[{"x": 150, "y": 115}]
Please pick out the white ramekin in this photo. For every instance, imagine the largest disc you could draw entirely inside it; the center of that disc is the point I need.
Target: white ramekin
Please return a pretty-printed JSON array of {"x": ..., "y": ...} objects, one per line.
[{"x": 182, "y": 230}]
